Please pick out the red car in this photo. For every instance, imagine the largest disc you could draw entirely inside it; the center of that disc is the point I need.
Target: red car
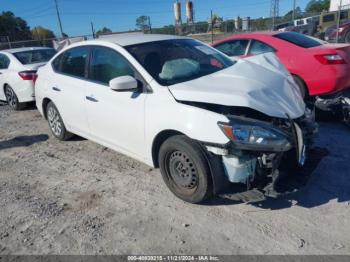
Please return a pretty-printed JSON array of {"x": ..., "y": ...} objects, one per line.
[{"x": 318, "y": 68}]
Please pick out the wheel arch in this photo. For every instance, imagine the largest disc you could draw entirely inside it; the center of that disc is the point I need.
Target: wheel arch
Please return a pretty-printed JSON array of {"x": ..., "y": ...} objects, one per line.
[
  {"x": 159, "y": 140},
  {"x": 45, "y": 102}
]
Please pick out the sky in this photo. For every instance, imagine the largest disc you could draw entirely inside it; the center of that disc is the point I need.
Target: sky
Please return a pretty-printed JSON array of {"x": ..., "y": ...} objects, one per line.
[{"x": 120, "y": 15}]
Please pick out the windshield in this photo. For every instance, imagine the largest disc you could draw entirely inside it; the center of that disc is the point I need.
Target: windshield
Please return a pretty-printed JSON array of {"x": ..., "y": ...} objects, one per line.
[
  {"x": 178, "y": 60},
  {"x": 299, "y": 39},
  {"x": 35, "y": 56}
]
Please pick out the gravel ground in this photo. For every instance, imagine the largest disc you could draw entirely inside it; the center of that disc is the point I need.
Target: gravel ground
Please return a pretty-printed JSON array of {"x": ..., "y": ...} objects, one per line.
[{"x": 77, "y": 197}]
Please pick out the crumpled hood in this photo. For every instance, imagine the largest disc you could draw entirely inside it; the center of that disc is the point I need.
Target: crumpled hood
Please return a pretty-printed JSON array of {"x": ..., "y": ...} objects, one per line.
[{"x": 260, "y": 83}]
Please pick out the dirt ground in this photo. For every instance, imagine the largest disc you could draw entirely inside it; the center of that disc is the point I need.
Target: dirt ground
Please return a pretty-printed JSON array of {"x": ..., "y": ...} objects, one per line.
[{"x": 77, "y": 197}]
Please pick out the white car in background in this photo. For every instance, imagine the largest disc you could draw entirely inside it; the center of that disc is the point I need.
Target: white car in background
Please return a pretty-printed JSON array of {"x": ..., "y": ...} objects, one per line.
[
  {"x": 18, "y": 68},
  {"x": 178, "y": 104}
]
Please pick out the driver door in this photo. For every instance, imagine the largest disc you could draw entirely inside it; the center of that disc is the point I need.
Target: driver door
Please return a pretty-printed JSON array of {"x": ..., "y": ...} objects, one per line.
[{"x": 116, "y": 118}]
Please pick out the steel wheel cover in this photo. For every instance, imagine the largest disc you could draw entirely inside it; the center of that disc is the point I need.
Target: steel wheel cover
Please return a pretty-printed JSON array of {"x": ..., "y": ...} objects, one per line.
[{"x": 182, "y": 170}]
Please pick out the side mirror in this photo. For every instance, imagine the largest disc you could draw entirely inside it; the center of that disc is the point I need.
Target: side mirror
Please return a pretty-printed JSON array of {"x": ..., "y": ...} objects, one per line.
[{"x": 123, "y": 83}]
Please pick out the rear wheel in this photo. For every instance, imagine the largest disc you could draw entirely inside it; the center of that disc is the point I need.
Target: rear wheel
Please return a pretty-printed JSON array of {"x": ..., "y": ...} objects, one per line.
[
  {"x": 185, "y": 169},
  {"x": 56, "y": 124},
  {"x": 12, "y": 99}
]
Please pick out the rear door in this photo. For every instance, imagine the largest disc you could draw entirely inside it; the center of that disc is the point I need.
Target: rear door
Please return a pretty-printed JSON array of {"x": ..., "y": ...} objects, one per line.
[
  {"x": 115, "y": 118},
  {"x": 67, "y": 88}
]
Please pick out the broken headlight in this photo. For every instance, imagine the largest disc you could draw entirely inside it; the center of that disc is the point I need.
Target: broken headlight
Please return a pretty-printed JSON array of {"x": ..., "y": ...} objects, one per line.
[{"x": 250, "y": 134}]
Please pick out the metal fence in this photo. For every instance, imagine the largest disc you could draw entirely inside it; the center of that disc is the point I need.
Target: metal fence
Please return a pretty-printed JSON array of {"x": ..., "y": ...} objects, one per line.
[{"x": 206, "y": 31}]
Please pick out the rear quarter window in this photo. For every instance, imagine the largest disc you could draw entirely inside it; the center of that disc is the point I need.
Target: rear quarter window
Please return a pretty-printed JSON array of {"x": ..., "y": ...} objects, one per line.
[
  {"x": 35, "y": 56},
  {"x": 298, "y": 39}
]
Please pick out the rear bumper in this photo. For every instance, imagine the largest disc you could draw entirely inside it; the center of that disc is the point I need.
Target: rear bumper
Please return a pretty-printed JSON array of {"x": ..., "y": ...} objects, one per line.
[
  {"x": 25, "y": 91},
  {"x": 330, "y": 80}
]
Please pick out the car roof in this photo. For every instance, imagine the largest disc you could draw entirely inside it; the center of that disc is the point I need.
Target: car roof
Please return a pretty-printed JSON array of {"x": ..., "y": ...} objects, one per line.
[
  {"x": 23, "y": 49},
  {"x": 261, "y": 33},
  {"x": 133, "y": 39}
]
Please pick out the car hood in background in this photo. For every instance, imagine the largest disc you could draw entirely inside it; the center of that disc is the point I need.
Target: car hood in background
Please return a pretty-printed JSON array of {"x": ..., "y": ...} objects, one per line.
[{"x": 260, "y": 83}]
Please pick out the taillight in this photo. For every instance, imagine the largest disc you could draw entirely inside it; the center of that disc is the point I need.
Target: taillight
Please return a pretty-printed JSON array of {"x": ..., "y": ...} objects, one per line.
[
  {"x": 35, "y": 77},
  {"x": 332, "y": 59},
  {"x": 28, "y": 75}
]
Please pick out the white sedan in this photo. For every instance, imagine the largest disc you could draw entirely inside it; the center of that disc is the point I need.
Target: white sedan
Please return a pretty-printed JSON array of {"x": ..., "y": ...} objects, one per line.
[
  {"x": 18, "y": 68},
  {"x": 178, "y": 104}
]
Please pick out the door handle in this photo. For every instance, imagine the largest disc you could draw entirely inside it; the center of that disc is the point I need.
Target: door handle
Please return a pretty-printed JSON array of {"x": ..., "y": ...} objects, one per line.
[
  {"x": 56, "y": 89},
  {"x": 92, "y": 99}
]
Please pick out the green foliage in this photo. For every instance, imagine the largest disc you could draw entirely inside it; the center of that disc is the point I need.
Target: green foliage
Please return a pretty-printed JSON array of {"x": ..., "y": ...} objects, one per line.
[
  {"x": 142, "y": 22},
  {"x": 317, "y": 6},
  {"x": 14, "y": 27},
  {"x": 40, "y": 32},
  {"x": 104, "y": 30}
]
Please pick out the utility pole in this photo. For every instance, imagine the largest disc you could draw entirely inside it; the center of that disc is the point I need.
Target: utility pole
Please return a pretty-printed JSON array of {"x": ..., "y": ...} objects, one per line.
[
  {"x": 212, "y": 26},
  {"x": 338, "y": 21},
  {"x": 149, "y": 24},
  {"x": 92, "y": 30},
  {"x": 274, "y": 11},
  {"x": 293, "y": 14},
  {"x": 59, "y": 18}
]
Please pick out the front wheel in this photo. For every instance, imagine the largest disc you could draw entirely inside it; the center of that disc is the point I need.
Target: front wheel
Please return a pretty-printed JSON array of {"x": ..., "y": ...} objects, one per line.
[
  {"x": 12, "y": 99},
  {"x": 56, "y": 124},
  {"x": 185, "y": 169}
]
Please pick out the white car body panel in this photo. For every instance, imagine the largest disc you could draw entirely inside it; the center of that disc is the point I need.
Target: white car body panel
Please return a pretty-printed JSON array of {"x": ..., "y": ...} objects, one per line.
[{"x": 129, "y": 123}]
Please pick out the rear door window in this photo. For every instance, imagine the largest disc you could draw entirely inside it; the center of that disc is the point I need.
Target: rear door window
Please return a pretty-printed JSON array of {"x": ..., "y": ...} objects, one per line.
[
  {"x": 234, "y": 47},
  {"x": 258, "y": 47},
  {"x": 74, "y": 61},
  {"x": 4, "y": 61}
]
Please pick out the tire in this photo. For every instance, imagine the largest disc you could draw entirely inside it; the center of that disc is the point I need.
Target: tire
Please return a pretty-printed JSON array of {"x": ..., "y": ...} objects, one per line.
[
  {"x": 56, "y": 124},
  {"x": 301, "y": 86},
  {"x": 185, "y": 169},
  {"x": 12, "y": 99}
]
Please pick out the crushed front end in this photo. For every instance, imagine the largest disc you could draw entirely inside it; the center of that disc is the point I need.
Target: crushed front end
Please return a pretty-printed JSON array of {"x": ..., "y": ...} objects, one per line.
[{"x": 261, "y": 152}]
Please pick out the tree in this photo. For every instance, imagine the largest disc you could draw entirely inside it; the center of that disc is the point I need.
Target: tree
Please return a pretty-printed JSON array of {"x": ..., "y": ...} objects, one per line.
[
  {"x": 39, "y": 33},
  {"x": 14, "y": 27},
  {"x": 143, "y": 23},
  {"x": 317, "y": 6},
  {"x": 104, "y": 30}
]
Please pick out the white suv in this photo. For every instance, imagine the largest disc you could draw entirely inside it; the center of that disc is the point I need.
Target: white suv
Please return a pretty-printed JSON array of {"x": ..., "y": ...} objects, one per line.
[{"x": 178, "y": 104}]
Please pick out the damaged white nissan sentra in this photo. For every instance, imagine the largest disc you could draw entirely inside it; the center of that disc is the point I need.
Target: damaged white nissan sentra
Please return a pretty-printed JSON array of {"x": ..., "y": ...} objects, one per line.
[{"x": 178, "y": 104}]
